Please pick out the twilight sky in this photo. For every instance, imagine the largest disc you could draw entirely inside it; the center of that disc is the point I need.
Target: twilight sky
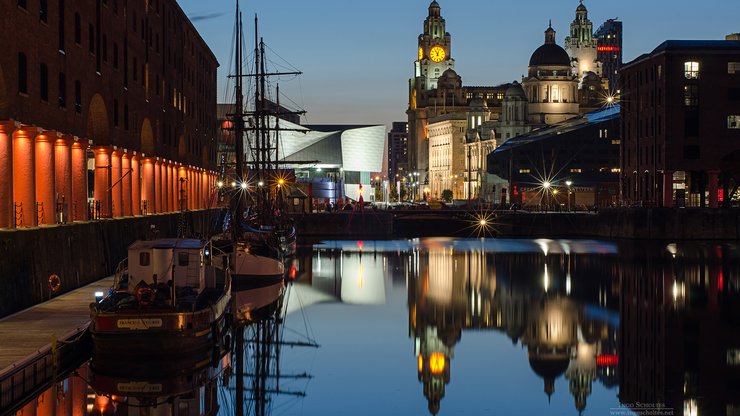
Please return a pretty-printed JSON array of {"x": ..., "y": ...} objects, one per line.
[{"x": 357, "y": 56}]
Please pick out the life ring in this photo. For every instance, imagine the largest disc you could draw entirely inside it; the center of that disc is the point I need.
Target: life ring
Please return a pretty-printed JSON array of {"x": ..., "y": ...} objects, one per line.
[
  {"x": 145, "y": 295},
  {"x": 55, "y": 283}
]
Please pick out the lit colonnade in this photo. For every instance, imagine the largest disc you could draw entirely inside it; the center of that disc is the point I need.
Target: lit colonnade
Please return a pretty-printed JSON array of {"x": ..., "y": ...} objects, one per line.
[{"x": 44, "y": 180}]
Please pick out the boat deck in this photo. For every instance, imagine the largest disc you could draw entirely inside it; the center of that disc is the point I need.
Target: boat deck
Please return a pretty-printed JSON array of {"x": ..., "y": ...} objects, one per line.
[{"x": 26, "y": 332}]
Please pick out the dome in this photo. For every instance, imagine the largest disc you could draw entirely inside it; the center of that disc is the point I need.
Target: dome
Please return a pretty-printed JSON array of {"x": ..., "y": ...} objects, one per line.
[
  {"x": 434, "y": 9},
  {"x": 581, "y": 7},
  {"x": 549, "y": 54},
  {"x": 449, "y": 79},
  {"x": 477, "y": 104},
  {"x": 515, "y": 91},
  {"x": 549, "y": 367}
]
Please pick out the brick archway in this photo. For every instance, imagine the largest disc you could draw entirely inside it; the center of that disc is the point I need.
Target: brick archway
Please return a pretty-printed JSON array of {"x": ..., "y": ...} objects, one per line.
[
  {"x": 97, "y": 121},
  {"x": 147, "y": 138},
  {"x": 4, "y": 101}
]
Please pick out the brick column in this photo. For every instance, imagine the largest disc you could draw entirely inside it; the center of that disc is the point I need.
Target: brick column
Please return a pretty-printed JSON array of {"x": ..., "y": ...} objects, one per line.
[
  {"x": 24, "y": 176},
  {"x": 668, "y": 189},
  {"x": 182, "y": 190},
  {"x": 172, "y": 186},
  {"x": 713, "y": 188},
  {"x": 45, "y": 182},
  {"x": 103, "y": 179},
  {"x": 116, "y": 187},
  {"x": 135, "y": 184},
  {"x": 158, "y": 186},
  {"x": 79, "y": 180},
  {"x": 63, "y": 176},
  {"x": 126, "y": 183},
  {"x": 147, "y": 185},
  {"x": 6, "y": 174}
]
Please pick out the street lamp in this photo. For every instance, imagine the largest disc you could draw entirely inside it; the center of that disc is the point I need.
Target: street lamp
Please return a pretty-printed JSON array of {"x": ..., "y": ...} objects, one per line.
[{"x": 568, "y": 184}]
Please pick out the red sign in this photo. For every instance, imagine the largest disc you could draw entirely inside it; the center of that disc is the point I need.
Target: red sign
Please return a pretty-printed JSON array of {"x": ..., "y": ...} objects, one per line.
[
  {"x": 608, "y": 49},
  {"x": 607, "y": 360}
]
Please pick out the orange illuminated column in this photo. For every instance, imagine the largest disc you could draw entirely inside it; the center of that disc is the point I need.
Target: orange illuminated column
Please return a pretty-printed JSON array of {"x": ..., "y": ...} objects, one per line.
[
  {"x": 126, "y": 183},
  {"x": 147, "y": 186},
  {"x": 157, "y": 186},
  {"x": 188, "y": 191},
  {"x": 78, "y": 199},
  {"x": 6, "y": 174},
  {"x": 45, "y": 183},
  {"x": 165, "y": 186},
  {"x": 116, "y": 187},
  {"x": 63, "y": 175},
  {"x": 135, "y": 185},
  {"x": 24, "y": 177},
  {"x": 196, "y": 185},
  {"x": 103, "y": 182},
  {"x": 182, "y": 189},
  {"x": 173, "y": 186}
]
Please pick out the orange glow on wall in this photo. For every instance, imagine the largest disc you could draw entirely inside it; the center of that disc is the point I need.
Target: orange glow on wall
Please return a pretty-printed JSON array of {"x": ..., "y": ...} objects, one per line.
[
  {"x": 24, "y": 174},
  {"x": 6, "y": 172},
  {"x": 45, "y": 186},
  {"x": 421, "y": 363},
  {"x": 437, "y": 363}
]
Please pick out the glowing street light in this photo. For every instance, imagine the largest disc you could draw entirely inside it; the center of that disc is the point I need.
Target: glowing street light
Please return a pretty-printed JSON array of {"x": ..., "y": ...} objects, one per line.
[
  {"x": 546, "y": 185},
  {"x": 220, "y": 184},
  {"x": 260, "y": 183},
  {"x": 244, "y": 185},
  {"x": 233, "y": 184},
  {"x": 568, "y": 184}
]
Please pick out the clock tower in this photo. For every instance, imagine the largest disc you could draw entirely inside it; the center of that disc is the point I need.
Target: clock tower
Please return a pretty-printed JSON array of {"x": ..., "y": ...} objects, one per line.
[
  {"x": 433, "y": 58},
  {"x": 434, "y": 55}
]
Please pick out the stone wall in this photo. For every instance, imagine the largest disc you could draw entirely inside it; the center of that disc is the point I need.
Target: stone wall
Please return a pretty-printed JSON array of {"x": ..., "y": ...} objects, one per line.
[{"x": 78, "y": 253}]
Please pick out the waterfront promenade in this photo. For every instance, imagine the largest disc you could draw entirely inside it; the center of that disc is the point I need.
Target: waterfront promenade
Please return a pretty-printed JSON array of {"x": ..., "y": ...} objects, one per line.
[{"x": 29, "y": 331}]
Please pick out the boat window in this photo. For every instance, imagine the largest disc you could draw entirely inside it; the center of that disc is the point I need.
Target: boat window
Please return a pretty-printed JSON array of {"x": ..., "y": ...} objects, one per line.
[
  {"x": 144, "y": 258},
  {"x": 183, "y": 258}
]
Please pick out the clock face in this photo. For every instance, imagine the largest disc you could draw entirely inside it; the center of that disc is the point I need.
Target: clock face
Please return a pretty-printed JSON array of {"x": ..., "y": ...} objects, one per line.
[
  {"x": 437, "y": 54},
  {"x": 421, "y": 53}
]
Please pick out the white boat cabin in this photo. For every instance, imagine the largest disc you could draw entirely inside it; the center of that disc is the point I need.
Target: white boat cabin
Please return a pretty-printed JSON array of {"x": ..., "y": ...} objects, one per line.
[{"x": 159, "y": 261}]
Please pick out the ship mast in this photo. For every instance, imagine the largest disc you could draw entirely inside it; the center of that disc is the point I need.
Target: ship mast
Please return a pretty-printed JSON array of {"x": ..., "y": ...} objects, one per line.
[{"x": 239, "y": 124}]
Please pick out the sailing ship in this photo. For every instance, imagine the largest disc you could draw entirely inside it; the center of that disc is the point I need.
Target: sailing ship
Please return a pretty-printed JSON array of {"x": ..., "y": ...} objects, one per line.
[
  {"x": 168, "y": 298},
  {"x": 260, "y": 235}
]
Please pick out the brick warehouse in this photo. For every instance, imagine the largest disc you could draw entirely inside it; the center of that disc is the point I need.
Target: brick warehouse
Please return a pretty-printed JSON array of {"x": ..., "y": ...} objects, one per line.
[
  {"x": 681, "y": 125},
  {"x": 109, "y": 104}
]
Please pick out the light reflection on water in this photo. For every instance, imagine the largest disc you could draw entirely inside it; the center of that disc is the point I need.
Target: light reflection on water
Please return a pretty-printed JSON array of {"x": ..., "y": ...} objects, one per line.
[{"x": 471, "y": 326}]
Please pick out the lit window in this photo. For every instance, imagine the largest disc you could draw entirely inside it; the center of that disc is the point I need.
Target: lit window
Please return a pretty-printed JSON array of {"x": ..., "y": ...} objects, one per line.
[
  {"x": 733, "y": 67},
  {"x": 616, "y": 141},
  {"x": 576, "y": 170},
  {"x": 500, "y": 96},
  {"x": 733, "y": 122},
  {"x": 733, "y": 356},
  {"x": 524, "y": 170},
  {"x": 616, "y": 170},
  {"x": 691, "y": 70}
]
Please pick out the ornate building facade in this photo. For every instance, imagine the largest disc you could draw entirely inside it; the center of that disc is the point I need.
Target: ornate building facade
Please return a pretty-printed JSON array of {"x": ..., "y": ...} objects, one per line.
[{"x": 581, "y": 44}]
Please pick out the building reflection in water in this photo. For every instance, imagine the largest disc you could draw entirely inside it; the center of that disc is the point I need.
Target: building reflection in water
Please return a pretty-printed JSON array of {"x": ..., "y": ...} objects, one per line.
[
  {"x": 557, "y": 302},
  {"x": 680, "y": 341}
]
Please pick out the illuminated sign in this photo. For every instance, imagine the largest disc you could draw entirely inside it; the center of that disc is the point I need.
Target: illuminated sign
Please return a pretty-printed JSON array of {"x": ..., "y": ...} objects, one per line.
[
  {"x": 607, "y": 360},
  {"x": 608, "y": 49}
]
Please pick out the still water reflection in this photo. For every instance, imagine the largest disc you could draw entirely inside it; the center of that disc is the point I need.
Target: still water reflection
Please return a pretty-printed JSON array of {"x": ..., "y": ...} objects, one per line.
[{"x": 457, "y": 327}]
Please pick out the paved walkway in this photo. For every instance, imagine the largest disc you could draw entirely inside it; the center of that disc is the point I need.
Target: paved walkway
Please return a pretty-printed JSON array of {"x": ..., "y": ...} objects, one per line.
[{"x": 24, "y": 333}]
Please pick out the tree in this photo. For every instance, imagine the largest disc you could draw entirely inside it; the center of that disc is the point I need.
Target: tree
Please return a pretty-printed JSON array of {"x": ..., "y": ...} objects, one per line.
[{"x": 447, "y": 195}]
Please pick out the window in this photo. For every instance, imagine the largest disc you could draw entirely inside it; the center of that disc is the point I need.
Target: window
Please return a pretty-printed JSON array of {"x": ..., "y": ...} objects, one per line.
[
  {"x": 115, "y": 55},
  {"x": 524, "y": 171},
  {"x": 691, "y": 70},
  {"x": 733, "y": 67},
  {"x": 62, "y": 90},
  {"x": 691, "y": 95},
  {"x": 125, "y": 116},
  {"x": 22, "y": 73},
  {"x": 44, "y": 82},
  {"x": 144, "y": 259},
  {"x": 43, "y": 11},
  {"x": 733, "y": 122},
  {"x": 500, "y": 96},
  {"x": 616, "y": 170},
  {"x": 183, "y": 259},
  {"x": 91, "y": 38},
  {"x": 576, "y": 170},
  {"x": 133, "y": 69},
  {"x": 78, "y": 96},
  {"x": 105, "y": 49},
  {"x": 61, "y": 25},
  {"x": 691, "y": 151},
  {"x": 78, "y": 29}
]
